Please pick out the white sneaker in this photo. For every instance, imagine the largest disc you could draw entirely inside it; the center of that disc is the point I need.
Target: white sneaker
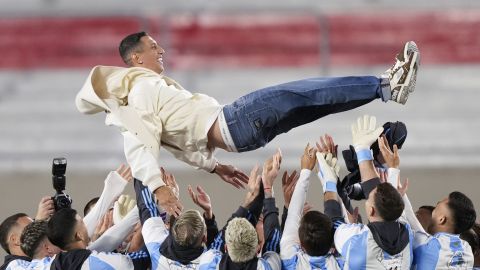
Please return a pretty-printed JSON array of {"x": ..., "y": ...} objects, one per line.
[{"x": 403, "y": 74}]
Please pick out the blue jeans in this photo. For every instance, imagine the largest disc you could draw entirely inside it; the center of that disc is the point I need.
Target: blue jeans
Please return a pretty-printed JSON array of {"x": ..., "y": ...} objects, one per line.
[{"x": 255, "y": 119}]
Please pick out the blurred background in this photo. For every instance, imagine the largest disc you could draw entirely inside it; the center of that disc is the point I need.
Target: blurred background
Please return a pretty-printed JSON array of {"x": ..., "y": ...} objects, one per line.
[{"x": 226, "y": 49}]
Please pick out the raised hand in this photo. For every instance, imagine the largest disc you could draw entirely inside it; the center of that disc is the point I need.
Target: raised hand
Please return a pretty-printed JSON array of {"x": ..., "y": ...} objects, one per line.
[
  {"x": 103, "y": 225},
  {"x": 326, "y": 145},
  {"x": 391, "y": 158},
  {"x": 288, "y": 186},
  {"x": 403, "y": 187},
  {"x": 328, "y": 171},
  {"x": 202, "y": 199},
  {"x": 231, "y": 175},
  {"x": 167, "y": 200},
  {"x": 364, "y": 133},
  {"x": 383, "y": 175},
  {"x": 308, "y": 158},
  {"x": 270, "y": 170},
  {"x": 46, "y": 208},
  {"x": 125, "y": 172},
  {"x": 170, "y": 181},
  {"x": 353, "y": 217},
  {"x": 253, "y": 187}
]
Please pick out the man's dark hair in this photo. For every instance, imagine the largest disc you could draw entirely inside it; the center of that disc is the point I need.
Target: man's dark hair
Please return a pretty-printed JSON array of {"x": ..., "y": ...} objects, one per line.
[
  {"x": 130, "y": 44},
  {"x": 316, "y": 233},
  {"x": 388, "y": 202},
  {"x": 61, "y": 227},
  {"x": 32, "y": 236},
  {"x": 89, "y": 205},
  {"x": 427, "y": 207},
  {"x": 5, "y": 228},
  {"x": 463, "y": 211}
]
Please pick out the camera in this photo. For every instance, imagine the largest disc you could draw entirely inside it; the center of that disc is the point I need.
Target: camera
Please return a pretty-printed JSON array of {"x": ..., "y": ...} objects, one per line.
[{"x": 60, "y": 199}]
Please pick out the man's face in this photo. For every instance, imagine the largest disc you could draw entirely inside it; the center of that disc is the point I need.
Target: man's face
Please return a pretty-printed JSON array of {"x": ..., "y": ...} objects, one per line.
[
  {"x": 439, "y": 214},
  {"x": 81, "y": 230},
  {"x": 425, "y": 217},
  {"x": 150, "y": 56}
]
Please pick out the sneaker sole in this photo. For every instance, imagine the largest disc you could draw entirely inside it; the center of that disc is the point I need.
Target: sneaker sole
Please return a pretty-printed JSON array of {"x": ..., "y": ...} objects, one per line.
[{"x": 411, "y": 79}]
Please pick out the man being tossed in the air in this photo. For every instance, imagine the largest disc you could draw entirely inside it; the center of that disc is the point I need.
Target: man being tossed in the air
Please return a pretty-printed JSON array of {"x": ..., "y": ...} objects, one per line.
[{"x": 153, "y": 110}]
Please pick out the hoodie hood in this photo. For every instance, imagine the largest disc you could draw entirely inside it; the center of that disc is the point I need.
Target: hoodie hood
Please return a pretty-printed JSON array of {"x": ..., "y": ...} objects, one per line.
[
  {"x": 173, "y": 251},
  {"x": 71, "y": 260},
  {"x": 391, "y": 237},
  {"x": 227, "y": 264},
  {"x": 107, "y": 82}
]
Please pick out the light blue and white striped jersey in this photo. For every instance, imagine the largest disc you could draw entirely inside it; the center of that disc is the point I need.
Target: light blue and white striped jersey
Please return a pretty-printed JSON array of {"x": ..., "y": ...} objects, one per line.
[
  {"x": 96, "y": 261},
  {"x": 210, "y": 260},
  {"x": 18, "y": 265},
  {"x": 40, "y": 264},
  {"x": 293, "y": 257},
  {"x": 107, "y": 261},
  {"x": 441, "y": 251},
  {"x": 359, "y": 249},
  {"x": 302, "y": 261}
]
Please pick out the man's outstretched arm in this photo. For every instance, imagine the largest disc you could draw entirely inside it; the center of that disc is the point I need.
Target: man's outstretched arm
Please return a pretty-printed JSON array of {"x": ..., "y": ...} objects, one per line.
[{"x": 145, "y": 168}]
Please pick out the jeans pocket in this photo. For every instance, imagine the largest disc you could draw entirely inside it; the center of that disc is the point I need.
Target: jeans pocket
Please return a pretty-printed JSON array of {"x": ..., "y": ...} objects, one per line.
[{"x": 261, "y": 121}]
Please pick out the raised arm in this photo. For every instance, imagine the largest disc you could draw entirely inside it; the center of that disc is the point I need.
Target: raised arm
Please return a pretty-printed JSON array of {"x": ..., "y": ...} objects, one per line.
[
  {"x": 271, "y": 225},
  {"x": 250, "y": 209},
  {"x": 114, "y": 185},
  {"x": 290, "y": 240},
  {"x": 364, "y": 134},
  {"x": 202, "y": 199}
]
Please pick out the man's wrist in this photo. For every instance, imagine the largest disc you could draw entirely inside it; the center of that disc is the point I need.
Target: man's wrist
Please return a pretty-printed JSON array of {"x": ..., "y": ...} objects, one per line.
[
  {"x": 208, "y": 213},
  {"x": 215, "y": 168}
]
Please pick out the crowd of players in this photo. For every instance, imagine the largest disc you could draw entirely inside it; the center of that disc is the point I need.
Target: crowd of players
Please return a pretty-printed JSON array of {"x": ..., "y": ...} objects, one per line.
[{"x": 119, "y": 232}]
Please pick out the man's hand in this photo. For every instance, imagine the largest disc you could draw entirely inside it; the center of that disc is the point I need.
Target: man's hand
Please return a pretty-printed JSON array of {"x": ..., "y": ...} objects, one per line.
[
  {"x": 122, "y": 207},
  {"x": 288, "y": 186},
  {"x": 103, "y": 225},
  {"x": 306, "y": 208},
  {"x": 308, "y": 158},
  {"x": 253, "y": 187},
  {"x": 353, "y": 217},
  {"x": 403, "y": 187},
  {"x": 326, "y": 145},
  {"x": 125, "y": 172},
  {"x": 170, "y": 181},
  {"x": 168, "y": 201},
  {"x": 364, "y": 133},
  {"x": 202, "y": 200},
  {"x": 383, "y": 175},
  {"x": 231, "y": 175},
  {"x": 270, "y": 171},
  {"x": 328, "y": 170},
  {"x": 391, "y": 158},
  {"x": 46, "y": 208}
]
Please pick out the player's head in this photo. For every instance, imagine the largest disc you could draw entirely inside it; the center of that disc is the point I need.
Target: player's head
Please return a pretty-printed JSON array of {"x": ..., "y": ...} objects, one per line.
[
  {"x": 384, "y": 203},
  {"x": 424, "y": 215},
  {"x": 35, "y": 243},
  {"x": 454, "y": 214},
  {"x": 241, "y": 240},
  {"x": 315, "y": 233},
  {"x": 67, "y": 230},
  {"x": 189, "y": 229},
  {"x": 10, "y": 232},
  {"x": 141, "y": 50}
]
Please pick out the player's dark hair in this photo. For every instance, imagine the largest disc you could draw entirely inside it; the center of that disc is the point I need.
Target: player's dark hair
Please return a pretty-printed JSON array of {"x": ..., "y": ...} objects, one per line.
[
  {"x": 130, "y": 44},
  {"x": 463, "y": 211},
  {"x": 32, "y": 236},
  {"x": 5, "y": 228},
  {"x": 388, "y": 202},
  {"x": 61, "y": 227},
  {"x": 316, "y": 233}
]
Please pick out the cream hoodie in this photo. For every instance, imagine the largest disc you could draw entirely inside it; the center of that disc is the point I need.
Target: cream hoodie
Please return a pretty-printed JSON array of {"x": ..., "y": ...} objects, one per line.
[{"x": 151, "y": 110}]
